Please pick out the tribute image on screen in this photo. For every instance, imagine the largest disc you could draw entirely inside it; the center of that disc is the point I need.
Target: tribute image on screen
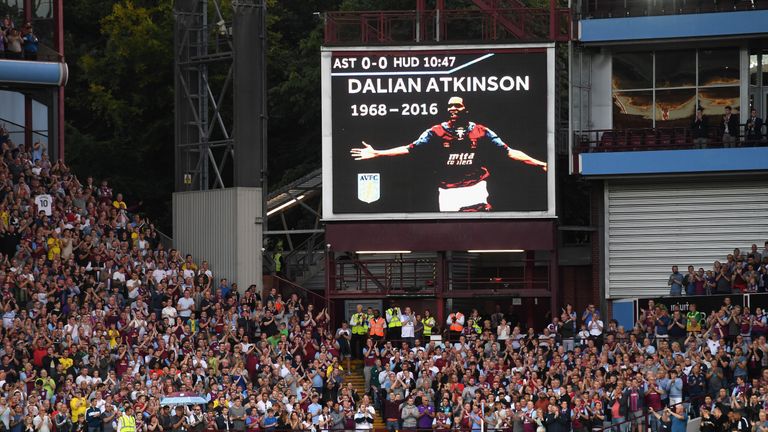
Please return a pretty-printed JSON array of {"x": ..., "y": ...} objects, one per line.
[{"x": 459, "y": 131}]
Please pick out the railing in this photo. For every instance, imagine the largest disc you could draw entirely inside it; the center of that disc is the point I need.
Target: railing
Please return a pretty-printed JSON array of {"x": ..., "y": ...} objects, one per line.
[
  {"x": 633, "y": 8},
  {"x": 606, "y": 140},
  {"x": 320, "y": 302},
  {"x": 466, "y": 274},
  {"x": 401, "y": 276},
  {"x": 392, "y": 27},
  {"x": 647, "y": 417},
  {"x": 165, "y": 239},
  {"x": 18, "y": 136},
  {"x": 305, "y": 255},
  {"x": 462, "y": 277}
]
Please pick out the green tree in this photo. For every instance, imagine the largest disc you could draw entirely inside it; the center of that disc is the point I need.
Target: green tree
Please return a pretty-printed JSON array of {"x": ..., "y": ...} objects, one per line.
[{"x": 120, "y": 102}]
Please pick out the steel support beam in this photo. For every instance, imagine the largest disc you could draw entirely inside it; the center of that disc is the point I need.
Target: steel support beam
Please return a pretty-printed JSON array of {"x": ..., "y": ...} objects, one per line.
[
  {"x": 249, "y": 37},
  {"x": 204, "y": 55}
]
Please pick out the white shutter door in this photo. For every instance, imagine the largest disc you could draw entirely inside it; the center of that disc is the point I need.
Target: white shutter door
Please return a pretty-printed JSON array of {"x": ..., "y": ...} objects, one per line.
[{"x": 651, "y": 226}]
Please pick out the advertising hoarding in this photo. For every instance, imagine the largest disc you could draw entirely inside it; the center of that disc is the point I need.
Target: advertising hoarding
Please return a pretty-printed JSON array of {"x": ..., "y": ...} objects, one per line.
[{"x": 433, "y": 132}]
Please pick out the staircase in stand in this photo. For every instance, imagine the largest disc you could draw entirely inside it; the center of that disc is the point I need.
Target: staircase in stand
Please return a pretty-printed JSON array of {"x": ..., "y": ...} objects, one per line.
[{"x": 358, "y": 382}]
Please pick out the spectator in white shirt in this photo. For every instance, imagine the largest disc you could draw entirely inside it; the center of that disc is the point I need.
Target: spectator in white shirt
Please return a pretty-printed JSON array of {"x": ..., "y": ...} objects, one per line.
[
  {"x": 186, "y": 305},
  {"x": 169, "y": 313},
  {"x": 42, "y": 421},
  {"x": 83, "y": 377},
  {"x": 407, "y": 331},
  {"x": 595, "y": 328},
  {"x": 263, "y": 404},
  {"x": 133, "y": 284},
  {"x": 159, "y": 274}
]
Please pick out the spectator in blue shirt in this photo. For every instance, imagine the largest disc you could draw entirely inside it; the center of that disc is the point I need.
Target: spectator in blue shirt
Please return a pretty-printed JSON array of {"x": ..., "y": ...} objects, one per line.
[
  {"x": 315, "y": 409},
  {"x": 675, "y": 390},
  {"x": 224, "y": 288},
  {"x": 679, "y": 418},
  {"x": 269, "y": 422},
  {"x": 30, "y": 43},
  {"x": 675, "y": 282}
]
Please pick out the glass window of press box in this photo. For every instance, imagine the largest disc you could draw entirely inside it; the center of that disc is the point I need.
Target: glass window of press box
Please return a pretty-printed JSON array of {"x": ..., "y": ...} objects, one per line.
[
  {"x": 758, "y": 81},
  {"x": 661, "y": 89}
]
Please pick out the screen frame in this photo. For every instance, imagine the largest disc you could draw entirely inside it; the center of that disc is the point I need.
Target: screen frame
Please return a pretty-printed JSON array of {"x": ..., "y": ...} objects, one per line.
[{"x": 326, "y": 54}]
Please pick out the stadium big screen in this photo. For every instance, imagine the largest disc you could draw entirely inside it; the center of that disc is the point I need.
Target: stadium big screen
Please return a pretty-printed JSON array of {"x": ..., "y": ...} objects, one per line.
[{"x": 438, "y": 132}]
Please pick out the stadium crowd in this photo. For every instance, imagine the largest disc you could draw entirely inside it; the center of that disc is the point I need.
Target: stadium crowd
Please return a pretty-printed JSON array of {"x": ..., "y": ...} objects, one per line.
[
  {"x": 100, "y": 322},
  {"x": 740, "y": 273},
  {"x": 579, "y": 373},
  {"x": 15, "y": 43}
]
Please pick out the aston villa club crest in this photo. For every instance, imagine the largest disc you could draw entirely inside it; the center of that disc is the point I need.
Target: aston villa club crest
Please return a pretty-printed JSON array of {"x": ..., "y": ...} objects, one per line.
[
  {"x": 368, "y": 187},
  {"x": 460, "y": 132}
]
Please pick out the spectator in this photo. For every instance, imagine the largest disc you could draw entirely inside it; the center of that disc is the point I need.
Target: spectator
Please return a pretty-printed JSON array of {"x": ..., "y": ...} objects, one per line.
[
  {"x": 343, "y": 338},
  {"x": 429, "y": 324},
  {"x": 722, "y": 278},
  {"x": 700, "y": 130},
  {"x": 13, "y": 45},
  {"x": 753, "y": 130},
  {"x": 30, "y": 42},
  {"x": 675, "y": 282},
  {"x": 407, "y": 322},
  {"x": 689, "y": 281},
  {"x": 595, "y": 328},
  {"x": 364, "y": 417},
  {"x": 3, "y": 42},
  {"x": 694, "y": 319},
  {"x": 359, "y": 323},
  {"x": 93, "y": 417},
  {"x": 634, "y": 400},
  {"x": 393, "y": 317},
  {"x": 426, "y": 414},
  {"x": 729, "y": 128},
  {"x": 455, "y": 323}
]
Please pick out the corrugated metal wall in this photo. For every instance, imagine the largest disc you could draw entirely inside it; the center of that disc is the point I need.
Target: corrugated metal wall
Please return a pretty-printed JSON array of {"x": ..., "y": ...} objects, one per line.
[
  {"x": 220, "y": 226},
  {"x": 651, "y": 226}
]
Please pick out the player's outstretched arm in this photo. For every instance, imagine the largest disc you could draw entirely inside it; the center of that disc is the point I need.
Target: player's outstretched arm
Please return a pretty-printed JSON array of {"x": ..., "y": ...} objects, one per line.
[
  {"x": 524, "y": 158},
  {"x": 368, "y": 152}
]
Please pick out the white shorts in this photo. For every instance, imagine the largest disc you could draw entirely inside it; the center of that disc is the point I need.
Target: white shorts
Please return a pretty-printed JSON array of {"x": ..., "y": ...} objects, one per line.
[{"x": 454, "y": 199}]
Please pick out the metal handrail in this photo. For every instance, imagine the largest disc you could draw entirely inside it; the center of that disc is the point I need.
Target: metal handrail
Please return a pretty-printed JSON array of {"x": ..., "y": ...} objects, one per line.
[
  {"x": 23, "y": 128},
  {"x": 394, "y": 276},
  {"x": 600, "y": 140},
  {"x": 309, "y": 244},
  {"x": 302, "y": 289},
  {"x": 647, "y": 415},
  {"x": 491, "y": 24},
  {"x": 165, "y": 240},
  {"x": 632, "y": 8}
]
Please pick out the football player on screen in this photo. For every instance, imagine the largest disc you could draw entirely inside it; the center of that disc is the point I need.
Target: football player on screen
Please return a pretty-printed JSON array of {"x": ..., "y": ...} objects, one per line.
[{"x": 462, "y": 146}]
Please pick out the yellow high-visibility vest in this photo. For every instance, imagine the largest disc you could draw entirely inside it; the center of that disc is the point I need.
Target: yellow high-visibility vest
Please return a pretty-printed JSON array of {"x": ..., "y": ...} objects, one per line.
[
  {"x": 429, "y": 323},
  {"x": 359, "y": 323},
  {"x": 395, "y": 321},
  {"x": 127, "y": 423}
]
